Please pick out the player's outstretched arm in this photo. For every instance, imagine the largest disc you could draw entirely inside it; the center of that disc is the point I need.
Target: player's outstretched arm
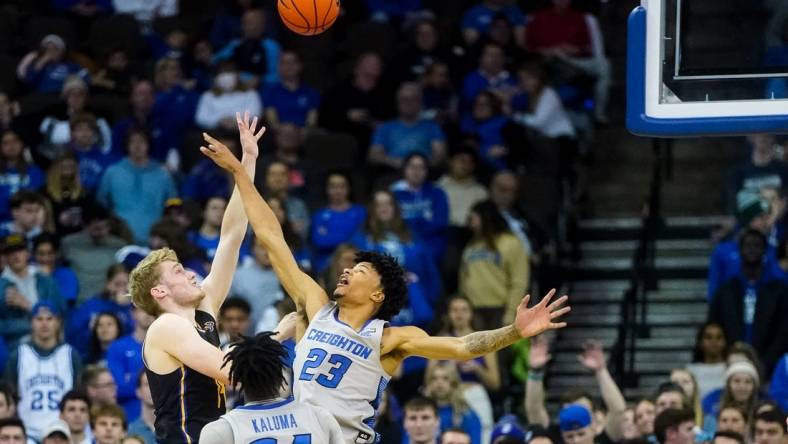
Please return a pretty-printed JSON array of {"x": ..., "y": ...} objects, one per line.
[
  {"x": 234, "y": 222},
  {"x": 188, "y": 347},
  {"x": 413, "y": 341},
  {"x": 306, "y": 293}
]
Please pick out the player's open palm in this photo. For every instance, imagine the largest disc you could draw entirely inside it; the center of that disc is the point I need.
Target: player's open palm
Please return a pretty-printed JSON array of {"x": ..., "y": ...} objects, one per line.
[
  {"x": 593, "y": 356},
  {"x": 532, "y": 321},
  {"x": 249, "y": 134},
  {"x": 539, "y": 354},
  {"x": 220, "y": 154}
]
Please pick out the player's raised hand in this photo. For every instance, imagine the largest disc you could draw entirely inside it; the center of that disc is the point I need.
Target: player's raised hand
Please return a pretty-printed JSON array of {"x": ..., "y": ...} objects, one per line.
[
  {"x": 220, "y": 154},
  {"x": 532, "y": 321},
  {"x": 249, "y": 134}
]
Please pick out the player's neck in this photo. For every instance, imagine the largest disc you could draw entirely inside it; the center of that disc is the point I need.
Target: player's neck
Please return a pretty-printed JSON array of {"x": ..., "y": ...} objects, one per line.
[
  {"x": 184, "y": 312},
  {"x": 355, "y": 318}
]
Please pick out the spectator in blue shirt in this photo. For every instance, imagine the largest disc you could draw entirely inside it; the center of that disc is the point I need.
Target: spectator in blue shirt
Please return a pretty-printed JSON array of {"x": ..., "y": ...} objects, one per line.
[
  {"x": 27, "y": 216},
  {"x": 103, "y": 332},
  {"x": 173, "y": 109},
  {"x": 384, "y": 231},
  {"x": 113, "y": 299},
  {"x": 336, "y": 222},
  {"x": 142, "y": 100},
  {"x": 392, "y": 10},
  {"x": 137, "y": 187},
  {"x": 93, "y": 161},
  {"x": 477, "y": 20},
  {"x": 396, "y": 139},
  {"x": 425, "y": 207},
  {"x": 207, "y": 180},
  {"x": 486, "y": 123},
  {"x": 289, "y": 100},
  {"x": 491, "y": 75},
  {"x": 778, "y": 389},
  {"x": 16, "y": 173},
  {"x": 45, "y": 69},
  {"x": 48, "y": 261},
  {"x": 443, "y": 385},
  {"x": 206, "y": 238},
  {"x": 254, "y": 54},
  {"x": 124, "y": 361}
]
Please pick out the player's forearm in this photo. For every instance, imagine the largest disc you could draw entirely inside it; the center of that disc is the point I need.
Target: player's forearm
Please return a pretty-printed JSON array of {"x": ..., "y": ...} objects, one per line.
[
  {"x": 484, "y": 342},
  {"x": 234, "y": 220},
  {"x": 262, "y": 218}
]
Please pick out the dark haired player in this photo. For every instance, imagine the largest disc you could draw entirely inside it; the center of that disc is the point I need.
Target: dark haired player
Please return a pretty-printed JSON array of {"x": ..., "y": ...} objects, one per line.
[
  {"x": 271, "y": 414},
  {"x": 345, "y": 357}
]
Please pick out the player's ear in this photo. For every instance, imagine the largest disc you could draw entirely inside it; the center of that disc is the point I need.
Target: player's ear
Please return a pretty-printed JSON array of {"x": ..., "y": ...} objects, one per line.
[
  {"x": 378, "y": 296},
  {"x": 158, "y": 292}
]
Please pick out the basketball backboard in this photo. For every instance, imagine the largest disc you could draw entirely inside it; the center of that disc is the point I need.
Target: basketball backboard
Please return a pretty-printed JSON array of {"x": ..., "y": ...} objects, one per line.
[{"x": 705, "y": 67}]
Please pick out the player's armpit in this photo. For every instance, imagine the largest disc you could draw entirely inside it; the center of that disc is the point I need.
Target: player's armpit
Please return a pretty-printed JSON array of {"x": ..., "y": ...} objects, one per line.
[{"x": 178, "y": 338}]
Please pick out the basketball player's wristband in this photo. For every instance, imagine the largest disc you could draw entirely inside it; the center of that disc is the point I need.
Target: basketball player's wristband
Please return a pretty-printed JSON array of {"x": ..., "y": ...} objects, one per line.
[{"x": 536, "y": 374}]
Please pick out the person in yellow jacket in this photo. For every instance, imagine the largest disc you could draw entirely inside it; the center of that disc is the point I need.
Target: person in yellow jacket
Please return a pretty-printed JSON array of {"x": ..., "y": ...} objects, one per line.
[{"x": 494, "y": 272}]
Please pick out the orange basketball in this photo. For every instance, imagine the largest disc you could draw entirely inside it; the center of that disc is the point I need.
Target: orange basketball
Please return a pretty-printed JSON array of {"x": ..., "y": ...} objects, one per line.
[{"x": 308, "y": 17}]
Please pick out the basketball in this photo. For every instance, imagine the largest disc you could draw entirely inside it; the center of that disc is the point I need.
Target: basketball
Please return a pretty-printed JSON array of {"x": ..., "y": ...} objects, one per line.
[{"x": 308, "y": 17}]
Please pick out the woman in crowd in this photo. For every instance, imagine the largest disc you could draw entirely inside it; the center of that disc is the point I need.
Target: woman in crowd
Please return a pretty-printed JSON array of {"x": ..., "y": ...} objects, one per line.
[
  {"x": 442, "y": 384},
  {"x": 384, "y": 231},
  {"x": 335, "y": 223},
  {"x": 645, "y": 413},
  {"x": 106, "y": 328},
  {"x": 486, "y": 124},
  {"x": 16, "y": 171},
  {"x": 479, "y": 375},
  {"x": 709, "y": 359},
  {"x": 66, "y": 194},
  {"x": 742, "y": 383},
  {"x": 733, "y": 419},
  {"x": 494, "y": 273},
  {"x": 45, "y": 252},
  {"x": 217, "y": 106},
  {"x": 687, "y": 382},
  {"x": 114, "y": 299}
]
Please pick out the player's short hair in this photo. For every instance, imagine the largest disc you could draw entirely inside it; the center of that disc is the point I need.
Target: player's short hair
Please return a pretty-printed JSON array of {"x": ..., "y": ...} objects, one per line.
[
  {"x": 13, "y": 422},
  {"x": 111, "y": 410},
  {"x": 257, "y": 363},
  {"x": 235, "y": 303},
  {"x": 671, "y": 418},
  {"x": 392, "y": 281},
  {"x": 775, "y": 416},
  {"x": 421, "y": 403},
  {"x": 74, "y": 395},
  {"x": 730, "y": 435},
  {"x": 145, "y": 276}
]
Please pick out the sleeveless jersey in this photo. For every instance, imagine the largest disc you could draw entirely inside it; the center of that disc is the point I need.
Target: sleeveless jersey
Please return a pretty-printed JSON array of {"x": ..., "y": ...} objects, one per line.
[
  {"x": 339, "y": 369},
  {"x": 282, "y": 422},
  {"x": 42, "y": 382},
  {"x": 185, "y": 400}
]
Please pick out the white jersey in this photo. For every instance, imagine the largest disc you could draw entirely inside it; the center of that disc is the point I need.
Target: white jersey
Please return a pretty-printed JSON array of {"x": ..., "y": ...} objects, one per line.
[
  {"x": 339, "y": 369},
  {"x": 42, "y": 381},
  {"x": 281, "y": 422}
]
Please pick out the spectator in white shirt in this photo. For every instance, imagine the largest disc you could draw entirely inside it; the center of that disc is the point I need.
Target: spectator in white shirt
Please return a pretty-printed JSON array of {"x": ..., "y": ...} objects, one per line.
[
  {"x": 545, "y": 113},
  {"x": 217, "y": 106}
]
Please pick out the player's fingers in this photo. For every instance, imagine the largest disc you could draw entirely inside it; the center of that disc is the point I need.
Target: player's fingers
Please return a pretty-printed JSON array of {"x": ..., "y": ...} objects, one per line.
[
  {"x": 246, "y": 118},
  {"x": 211, "y": 140},
  {"x": 554, "y": 325},
  {"x": 238, "y": 118},
  {"x": 546, "y": 299},
  {"x": 558, "y": 302},
  {"x": 560, "y": 312},
  {"x": 524, "y": 302},
  {"x": 207, "y": 151},
  {"x": 253, "y": 126},
  {"x": 260, "y": 133}
]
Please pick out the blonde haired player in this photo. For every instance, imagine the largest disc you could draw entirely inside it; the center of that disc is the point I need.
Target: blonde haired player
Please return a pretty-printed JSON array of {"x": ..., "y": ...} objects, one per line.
[
  {"x": 345, "y": 357},
  {"x": 181, "y": 352}
]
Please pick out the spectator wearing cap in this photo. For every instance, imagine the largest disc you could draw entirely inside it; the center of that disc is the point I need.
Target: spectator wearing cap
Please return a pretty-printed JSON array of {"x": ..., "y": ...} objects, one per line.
[
  {"x": 12, "y": 431},
  {"x": 726, "y": 263},
  {"x": 421, "y": 421},
  {"x": 46, "y": 69},
  {"x": 43, "y": 370},
  {"x": 289, "y": 100},
  {"x": 477, "y": 20},
  {"x": 75, "y": 411},
  {"x": 395, "y": 140},
  {"x": 49, "y": 262},
  {"x": 27, "y": 216},
  {"x": 86, "y": 145},
  {"x": 136, "y": 187},
  {"x": 112, "y": 299},
  {"x": 22, "y": 286},
  {"x": 254, "y": 54},
  {"x": 508, "y": 427},
  {"x": 770, "y": 428},
  {"x": 778, "y": 389},
  {"x": 578, "y": 407},
  {"x": 124, "y": 360},
  {"x": 675, "y": 426},
  {"x": 55, "y": 128},
  {"x": 742, "y": 385},
  {"x": 206, "y": 180},
  {"x": 16, "y": 172},
  {"x": 753, "y": 306},
  {"x": 56, "y": 433},
  {"x": 91, "y": 251}
]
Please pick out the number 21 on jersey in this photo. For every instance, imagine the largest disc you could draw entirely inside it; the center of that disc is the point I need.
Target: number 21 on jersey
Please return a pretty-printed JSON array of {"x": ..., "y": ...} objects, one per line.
[{"x": 315, "y": 358}]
